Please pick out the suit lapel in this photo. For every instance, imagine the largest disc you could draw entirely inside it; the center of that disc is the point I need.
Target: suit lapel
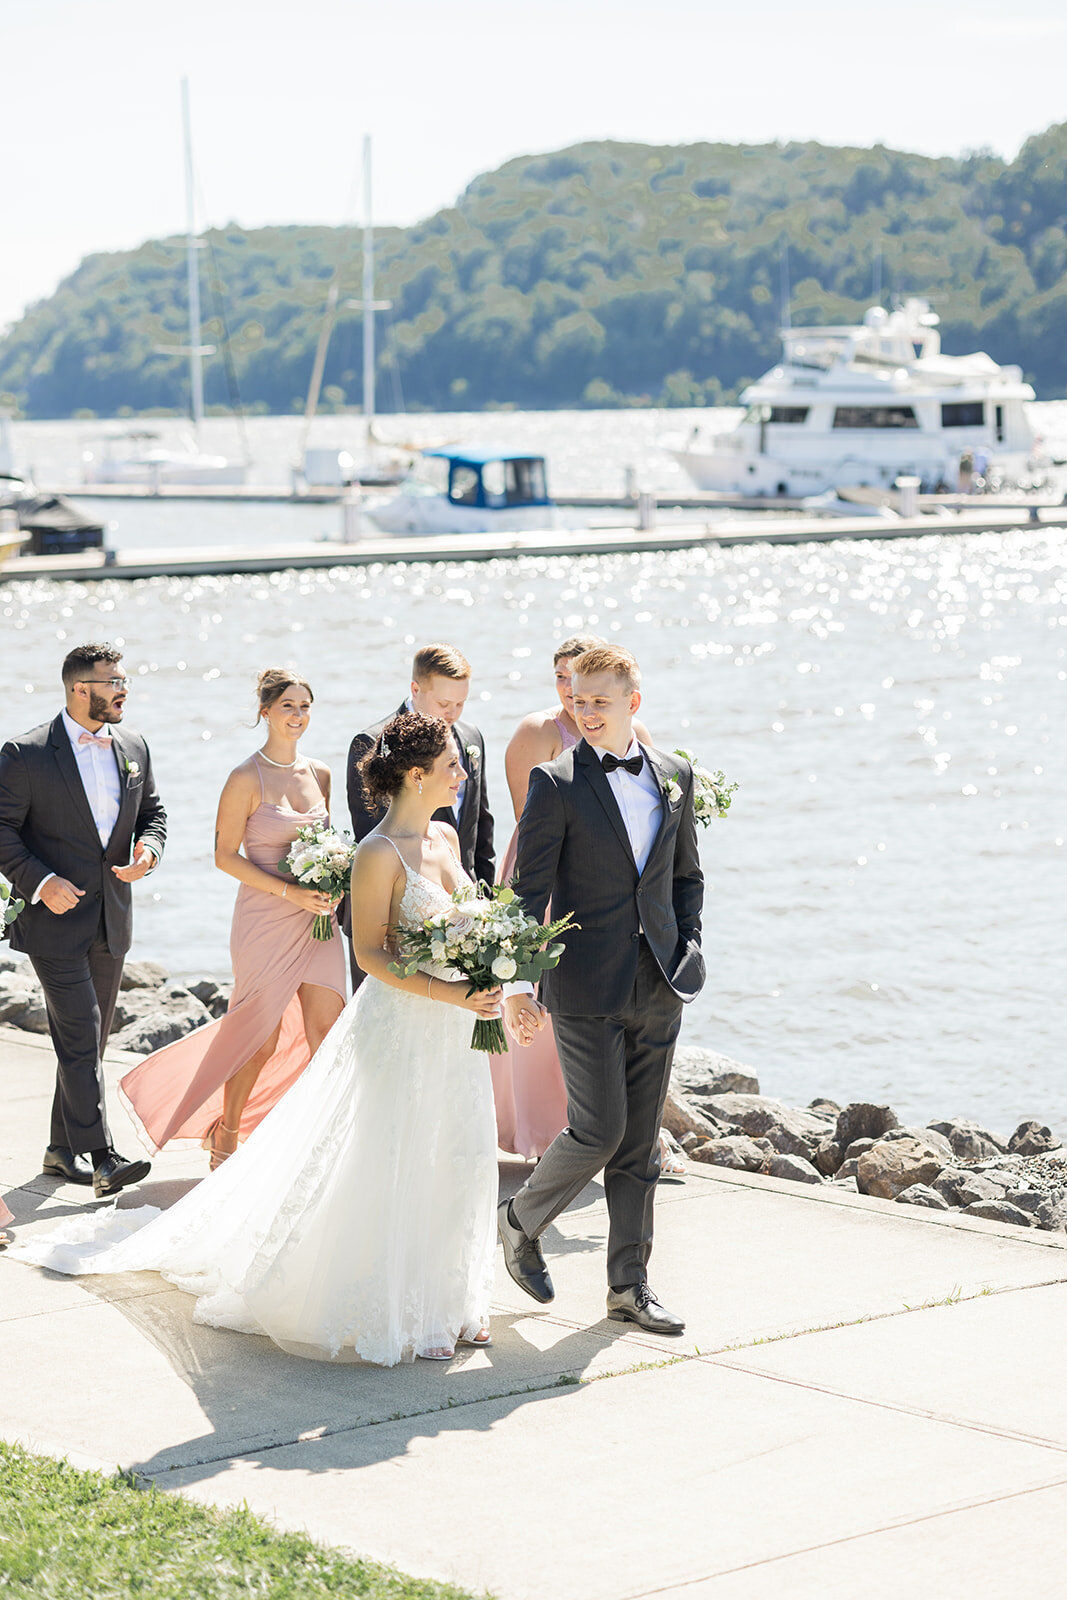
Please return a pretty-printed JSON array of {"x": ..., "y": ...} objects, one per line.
[
  {"x": 64, "y": 758},
  {"x": 667, "y": 807},
  {"x": 120, "y": 751},
  {"x": 597, "y": 780}
]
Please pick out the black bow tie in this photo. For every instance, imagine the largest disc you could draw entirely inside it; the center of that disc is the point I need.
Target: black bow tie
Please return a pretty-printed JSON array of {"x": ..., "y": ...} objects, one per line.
[{"x": 632, "y": 764}]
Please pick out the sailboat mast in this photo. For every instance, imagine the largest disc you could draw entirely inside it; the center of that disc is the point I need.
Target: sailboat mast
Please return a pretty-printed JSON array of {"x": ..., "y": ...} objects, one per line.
[
  {"x": 196, "y": 362},
  {"x": 368, "y": 288}
]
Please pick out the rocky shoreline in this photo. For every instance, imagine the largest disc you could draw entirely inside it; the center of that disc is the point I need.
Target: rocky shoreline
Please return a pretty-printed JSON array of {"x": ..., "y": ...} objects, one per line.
[{"x": 714, "y": 1110}]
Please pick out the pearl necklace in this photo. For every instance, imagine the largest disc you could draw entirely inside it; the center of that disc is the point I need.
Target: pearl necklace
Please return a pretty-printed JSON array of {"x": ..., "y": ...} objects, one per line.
[{"x": 271, "y": 761}]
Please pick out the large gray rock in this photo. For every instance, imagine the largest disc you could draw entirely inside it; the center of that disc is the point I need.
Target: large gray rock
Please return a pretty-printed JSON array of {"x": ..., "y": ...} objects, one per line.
[
  {"x": 682, "y": 1118},
  {"x": 735, "y": 1151},
  {"x": 173, "y": 1013},
  {"x": 143, "y": 975},
  {"x": 10, "y": 962},
  {"x": 213, "y": 994},
  {"x": 17, "y": 993},
  {"x": 827, "y": 1157},
  {"x": 700, "y": 1072},
  {"x": 925, "y": 1136},
  {"x": 969, "y": 1141},
  {"x": 863, "y": 1121},
  {"x": 891, "y": 1165},
  {"x": 848, "y": 1171},
  {"x": 947, "y": 1183},
  {"x": 1032, "y": 1139},
  {"x": 857, "y": 1147},
  {"x": 1049, "y": 1211},
  {"x": 920, "y": 1194},
  {"x": 972, "y": 1187},
  {"x": 999, "y": 1211},
  {"x": 793, "y": 1167},
  {"x": 793, "y": 1133}
]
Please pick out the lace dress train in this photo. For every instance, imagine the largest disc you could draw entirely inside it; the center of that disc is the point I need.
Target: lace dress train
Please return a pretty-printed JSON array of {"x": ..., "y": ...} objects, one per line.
[{"x": 358, "y": 1221}]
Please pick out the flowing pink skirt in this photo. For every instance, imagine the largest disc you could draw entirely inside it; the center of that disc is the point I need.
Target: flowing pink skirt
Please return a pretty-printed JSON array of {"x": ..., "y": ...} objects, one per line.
[
  {"x": 528, "y": 1088},
  {"x": 5, "y": 1215},
  {"x": 177, "y": 1092}
]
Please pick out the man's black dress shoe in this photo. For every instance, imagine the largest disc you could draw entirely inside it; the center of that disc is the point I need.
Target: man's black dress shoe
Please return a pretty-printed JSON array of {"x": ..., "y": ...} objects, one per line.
[
  {"x": 59, "y": 1162},
  {"x": 523, "y": 1258},
  {"x": 115, "y": 1172},
  {"x": 640, "y": 1305}
]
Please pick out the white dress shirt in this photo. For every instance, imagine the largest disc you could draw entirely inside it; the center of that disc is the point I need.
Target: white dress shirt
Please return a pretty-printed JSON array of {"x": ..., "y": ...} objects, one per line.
[
  {"x": 99, "y": 774},
  {"x": 638, "y": 798}
]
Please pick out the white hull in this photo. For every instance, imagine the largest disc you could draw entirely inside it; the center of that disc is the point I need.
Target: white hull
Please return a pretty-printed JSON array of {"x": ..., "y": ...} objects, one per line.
[
  {"x": 433, "y": 514},
  {"x": 162, "y": 474},
  {"x": 731, "y": 471}
]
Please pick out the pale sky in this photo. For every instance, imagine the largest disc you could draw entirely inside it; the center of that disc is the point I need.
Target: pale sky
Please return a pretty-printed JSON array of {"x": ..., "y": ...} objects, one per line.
[{"x": 283, "y": 91}]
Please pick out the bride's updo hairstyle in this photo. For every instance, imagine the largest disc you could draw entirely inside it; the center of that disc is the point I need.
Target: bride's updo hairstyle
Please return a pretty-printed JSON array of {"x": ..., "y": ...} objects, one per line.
[
  {"x": 272, "y": 684},
  {"x": 407, "y": 740}
]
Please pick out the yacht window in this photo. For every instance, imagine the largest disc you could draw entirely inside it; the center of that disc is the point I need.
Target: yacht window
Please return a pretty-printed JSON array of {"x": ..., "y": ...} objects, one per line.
[
  {"x": 526, "y": 482},
  {"x": 788, "y": 414},
  {"x": 493, "y": 479},
  {"x": 875, "y": 417},
  {"x": 963, "y": 414},
  {"x": 463, "y": 489}
]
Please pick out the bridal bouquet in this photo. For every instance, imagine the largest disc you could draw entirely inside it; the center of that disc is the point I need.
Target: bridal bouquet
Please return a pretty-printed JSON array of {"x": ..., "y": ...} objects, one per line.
[
  {"x": 711, "y": 792},
  {"x": 488, "y": 939},
  {"x": 320, "y": 858}
]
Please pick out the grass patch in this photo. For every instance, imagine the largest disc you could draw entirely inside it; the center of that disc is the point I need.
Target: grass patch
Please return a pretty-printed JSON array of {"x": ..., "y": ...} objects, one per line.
[{"x": 71, "y": 1535}]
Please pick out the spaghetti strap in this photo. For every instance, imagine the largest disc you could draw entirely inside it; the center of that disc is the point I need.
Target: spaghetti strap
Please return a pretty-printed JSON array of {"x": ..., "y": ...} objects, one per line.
[
  {"x": 259, "y": 775},
  {"x": 462, "y": 870},
  {"x": 396, "y": 847}
]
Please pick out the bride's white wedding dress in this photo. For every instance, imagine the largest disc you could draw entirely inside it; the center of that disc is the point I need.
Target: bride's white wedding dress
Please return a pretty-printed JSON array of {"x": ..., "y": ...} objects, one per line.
[{"x": 359, "y": 1219}]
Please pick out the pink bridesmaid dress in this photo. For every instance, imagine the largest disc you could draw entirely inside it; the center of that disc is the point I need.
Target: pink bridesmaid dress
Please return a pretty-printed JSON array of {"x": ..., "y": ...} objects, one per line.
[
  {"x": 176, "y": 1094},
  {"x": 528, "y": 1087}
]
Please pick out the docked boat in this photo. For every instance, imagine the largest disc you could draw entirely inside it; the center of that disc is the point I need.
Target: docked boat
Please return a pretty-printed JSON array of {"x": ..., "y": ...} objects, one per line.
[
  {"x": 863, "y": 406},
  {"x": 37, "y": 524},
  {"x": 469, "y": 489},
  {"x": 137, "y": 455}
]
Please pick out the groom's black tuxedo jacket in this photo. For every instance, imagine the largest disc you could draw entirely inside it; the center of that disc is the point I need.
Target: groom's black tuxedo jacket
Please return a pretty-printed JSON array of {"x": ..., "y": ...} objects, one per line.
[
  {"x": 573, "y": 849},
  {"x": 46, "y": 825},
  {"x": 475, "y": 825}
]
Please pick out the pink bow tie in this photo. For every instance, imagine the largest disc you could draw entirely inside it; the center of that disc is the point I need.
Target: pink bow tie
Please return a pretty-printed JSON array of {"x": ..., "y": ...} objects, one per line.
[{"x": 95, "y": 738}]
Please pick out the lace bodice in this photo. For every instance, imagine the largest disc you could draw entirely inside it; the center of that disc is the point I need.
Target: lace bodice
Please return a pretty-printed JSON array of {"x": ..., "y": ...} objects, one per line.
[{"x": 423, "y": 898}]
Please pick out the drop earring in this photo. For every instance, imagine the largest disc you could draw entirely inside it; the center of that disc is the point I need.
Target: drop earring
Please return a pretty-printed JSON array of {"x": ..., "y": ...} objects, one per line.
[{"x": 418, "y": 782}]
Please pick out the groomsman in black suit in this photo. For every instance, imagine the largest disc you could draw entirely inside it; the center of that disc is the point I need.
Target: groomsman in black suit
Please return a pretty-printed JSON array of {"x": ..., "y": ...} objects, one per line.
[
  {"x": 608, "y": 832},
  {"x": 80, "y": 821},
  {"x": 440, "y": 684}
]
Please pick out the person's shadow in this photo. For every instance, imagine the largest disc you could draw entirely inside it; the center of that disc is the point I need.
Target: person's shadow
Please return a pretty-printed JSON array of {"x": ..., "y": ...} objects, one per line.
[{"x": 258, "y": 1399}]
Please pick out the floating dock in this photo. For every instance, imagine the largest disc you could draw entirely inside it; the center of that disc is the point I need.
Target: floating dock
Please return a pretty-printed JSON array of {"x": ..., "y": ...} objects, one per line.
[{"x": 376, "y": 548}]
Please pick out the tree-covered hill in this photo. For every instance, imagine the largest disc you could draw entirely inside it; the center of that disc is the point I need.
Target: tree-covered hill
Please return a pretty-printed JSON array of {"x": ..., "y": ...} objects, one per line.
[{"x": 605, "y": 274}]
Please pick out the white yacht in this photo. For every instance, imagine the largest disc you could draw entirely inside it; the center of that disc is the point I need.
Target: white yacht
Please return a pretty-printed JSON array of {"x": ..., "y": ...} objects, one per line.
[{"x": 862, "y": 406}]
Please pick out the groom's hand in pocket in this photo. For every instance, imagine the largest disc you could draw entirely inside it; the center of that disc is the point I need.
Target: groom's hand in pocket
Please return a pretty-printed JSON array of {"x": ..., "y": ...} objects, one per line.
[{"x": 523, "y": 1017}]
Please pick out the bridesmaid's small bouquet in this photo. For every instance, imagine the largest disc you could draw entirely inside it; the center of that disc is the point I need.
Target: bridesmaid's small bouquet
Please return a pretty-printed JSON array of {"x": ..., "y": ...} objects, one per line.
[
  {"x": 10, "y": 904},
  {"x": 711, "y": 792},
  {"x": 487, "y": 937},
  {"x": 320, "y": 858}
]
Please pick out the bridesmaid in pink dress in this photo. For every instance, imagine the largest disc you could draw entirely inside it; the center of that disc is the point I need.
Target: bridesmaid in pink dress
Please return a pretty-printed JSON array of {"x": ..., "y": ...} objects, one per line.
[
  {"x": 5, "y": 1216},
  {"x": 531, "y": 1100},
  {"x": 217, "y": 1084}
]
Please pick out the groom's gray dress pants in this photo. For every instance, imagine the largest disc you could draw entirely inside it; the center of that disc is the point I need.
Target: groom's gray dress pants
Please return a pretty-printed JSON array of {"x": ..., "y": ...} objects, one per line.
[
  {"x": 616, "y": 1070},
  {"x": 80, "y": 993}
]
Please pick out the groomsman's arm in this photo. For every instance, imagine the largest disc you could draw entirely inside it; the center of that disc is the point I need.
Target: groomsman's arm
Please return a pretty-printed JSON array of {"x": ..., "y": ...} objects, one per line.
[
  {"x": 688, "y": 887},
  {"x": 363, "y": 816},
  {"x": 484, "y": 857},
  {"x": 540, "y": 841},
  {"x": 151, "y": 826},
  {"x": 17, "y": 863}
]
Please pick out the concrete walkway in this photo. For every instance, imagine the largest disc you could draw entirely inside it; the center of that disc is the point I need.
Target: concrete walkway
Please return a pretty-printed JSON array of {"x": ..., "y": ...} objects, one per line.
[{"x": 867, "y": 1399}]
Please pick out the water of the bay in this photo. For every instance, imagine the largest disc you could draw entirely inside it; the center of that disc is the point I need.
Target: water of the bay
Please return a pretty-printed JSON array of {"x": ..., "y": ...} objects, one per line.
[{"x": 884, "y": 917}]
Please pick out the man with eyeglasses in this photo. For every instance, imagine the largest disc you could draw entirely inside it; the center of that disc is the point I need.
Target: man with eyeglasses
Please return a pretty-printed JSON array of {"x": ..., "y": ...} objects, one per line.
[{"x": 80, "y": 821}]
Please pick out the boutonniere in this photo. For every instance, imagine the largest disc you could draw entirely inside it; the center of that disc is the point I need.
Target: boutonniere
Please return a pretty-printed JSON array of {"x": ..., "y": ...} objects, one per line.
[
  {"x": 672, "y": 791},
  {"x": 473, "y": 755},
  {"x": 133, "y": 769}
]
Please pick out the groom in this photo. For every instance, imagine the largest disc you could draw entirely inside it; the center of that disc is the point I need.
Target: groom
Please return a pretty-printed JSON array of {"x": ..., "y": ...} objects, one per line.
[
  {"x": 440, "y": 684},
  {"x": 80, "y": 821},
  {"x": 608, "y": 832}
]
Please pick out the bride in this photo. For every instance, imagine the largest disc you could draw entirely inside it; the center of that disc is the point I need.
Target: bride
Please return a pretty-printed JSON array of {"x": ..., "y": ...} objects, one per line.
[{"x": 358, "y": 1221}]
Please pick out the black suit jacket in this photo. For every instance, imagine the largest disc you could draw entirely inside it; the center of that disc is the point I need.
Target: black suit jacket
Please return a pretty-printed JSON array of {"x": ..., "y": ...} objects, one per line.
[
  {"x": 573, "y": 849},
  {"x": 475, "y": 825},
  {"x": 46, "y": 825}
]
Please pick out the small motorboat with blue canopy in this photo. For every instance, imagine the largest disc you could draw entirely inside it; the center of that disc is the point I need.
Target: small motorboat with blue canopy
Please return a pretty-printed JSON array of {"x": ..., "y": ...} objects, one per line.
[{"x": 470, "y": 489}]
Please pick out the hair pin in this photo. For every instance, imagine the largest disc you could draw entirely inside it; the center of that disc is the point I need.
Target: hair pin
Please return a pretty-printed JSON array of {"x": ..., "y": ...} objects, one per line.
[{"x": 384, "y": 748}]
